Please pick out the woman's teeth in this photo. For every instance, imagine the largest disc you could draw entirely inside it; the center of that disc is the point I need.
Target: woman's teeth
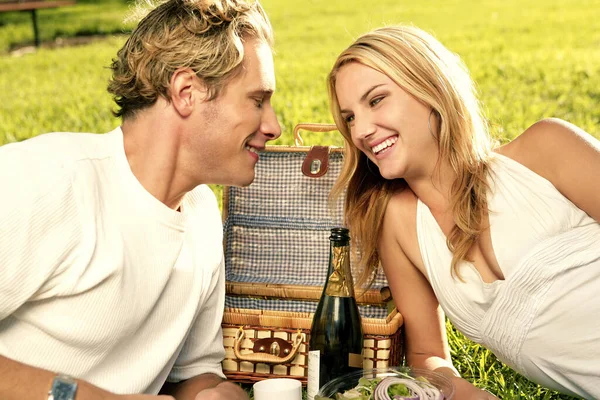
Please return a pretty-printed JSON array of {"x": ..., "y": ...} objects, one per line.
[{"x": 384, "y": 145}]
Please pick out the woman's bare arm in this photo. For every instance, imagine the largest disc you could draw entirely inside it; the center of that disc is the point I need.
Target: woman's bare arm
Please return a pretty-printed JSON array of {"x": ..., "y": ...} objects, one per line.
[{"x": 424, "y": 321}]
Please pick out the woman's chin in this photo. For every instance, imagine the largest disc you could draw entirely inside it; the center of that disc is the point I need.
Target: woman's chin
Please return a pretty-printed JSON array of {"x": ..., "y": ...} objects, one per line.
[{"x": 389, "y": 175}]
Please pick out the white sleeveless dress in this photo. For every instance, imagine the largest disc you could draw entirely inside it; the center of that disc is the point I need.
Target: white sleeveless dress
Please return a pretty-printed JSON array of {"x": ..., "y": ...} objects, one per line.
[{"x": 543, "y": 319}]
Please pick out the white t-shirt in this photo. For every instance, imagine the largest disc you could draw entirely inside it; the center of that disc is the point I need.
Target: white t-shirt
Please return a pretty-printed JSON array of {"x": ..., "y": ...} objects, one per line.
[{"x": 98, "y": 278}]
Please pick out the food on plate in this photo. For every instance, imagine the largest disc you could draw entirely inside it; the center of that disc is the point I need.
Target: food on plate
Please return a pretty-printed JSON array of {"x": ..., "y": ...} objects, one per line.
[{"x": 390, "y": 388}]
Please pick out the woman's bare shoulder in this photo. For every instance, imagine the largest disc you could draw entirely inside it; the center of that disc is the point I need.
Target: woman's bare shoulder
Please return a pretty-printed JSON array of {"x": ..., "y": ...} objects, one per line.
[
  {"x": 402, "y": 205},
  {"x": 399, "y": 223},
  {"x": 565, "y": 155},
  {"x": 539, "y": 145}
]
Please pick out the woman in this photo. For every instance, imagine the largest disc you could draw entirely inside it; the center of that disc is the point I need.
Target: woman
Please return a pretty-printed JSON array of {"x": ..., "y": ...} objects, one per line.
[{"x": 506, "y": 241}]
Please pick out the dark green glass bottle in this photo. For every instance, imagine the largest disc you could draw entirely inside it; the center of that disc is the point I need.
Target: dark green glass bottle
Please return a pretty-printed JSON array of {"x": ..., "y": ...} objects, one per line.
[{"x": 336, "y": 339}]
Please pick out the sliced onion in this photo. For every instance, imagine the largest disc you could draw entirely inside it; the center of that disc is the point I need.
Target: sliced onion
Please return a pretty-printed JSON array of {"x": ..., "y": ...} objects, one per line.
[{"x": 418, "y": 390}]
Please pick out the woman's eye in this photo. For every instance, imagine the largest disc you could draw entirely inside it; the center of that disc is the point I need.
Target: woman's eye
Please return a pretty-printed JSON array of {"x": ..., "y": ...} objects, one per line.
[
  {"x": 375, "y": 101},
  {"x": 349, "y": 119},
  {"x": 259, "y": 102}
]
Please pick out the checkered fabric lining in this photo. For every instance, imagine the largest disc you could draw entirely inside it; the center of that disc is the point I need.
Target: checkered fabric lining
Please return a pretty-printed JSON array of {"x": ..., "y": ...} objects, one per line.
[
  {"x": 277, "y": 229},
  {"x": 281, "y": 196},
  {"x": 366, "y": 311}
]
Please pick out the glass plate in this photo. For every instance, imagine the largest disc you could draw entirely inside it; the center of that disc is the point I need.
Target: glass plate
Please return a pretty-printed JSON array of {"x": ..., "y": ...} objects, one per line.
[{"x": 349, "y": 381}]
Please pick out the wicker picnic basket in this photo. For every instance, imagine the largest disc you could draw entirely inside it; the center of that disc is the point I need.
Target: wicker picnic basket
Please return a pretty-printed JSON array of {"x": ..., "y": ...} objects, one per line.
[{"x": 276, "y": 250}]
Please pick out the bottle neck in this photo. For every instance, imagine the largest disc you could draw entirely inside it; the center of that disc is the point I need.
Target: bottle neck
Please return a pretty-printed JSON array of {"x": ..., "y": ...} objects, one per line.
[{"x": 339, "y": 275}]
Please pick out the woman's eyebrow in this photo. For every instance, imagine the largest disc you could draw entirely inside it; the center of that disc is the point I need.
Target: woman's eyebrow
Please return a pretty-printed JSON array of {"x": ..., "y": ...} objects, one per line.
[{"x": 365, "y": 95}]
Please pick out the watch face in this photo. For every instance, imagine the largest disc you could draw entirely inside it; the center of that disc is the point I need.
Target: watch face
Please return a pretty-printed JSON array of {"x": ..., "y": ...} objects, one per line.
[{"x": 63, "y": 388}]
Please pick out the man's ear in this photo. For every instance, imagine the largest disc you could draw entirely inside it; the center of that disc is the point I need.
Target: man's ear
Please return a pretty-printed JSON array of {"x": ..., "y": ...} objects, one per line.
[{"x": 186, "y": 91}]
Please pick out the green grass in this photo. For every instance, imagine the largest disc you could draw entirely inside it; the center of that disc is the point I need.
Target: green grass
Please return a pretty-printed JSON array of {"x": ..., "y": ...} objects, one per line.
[
  {"x": 87, "y": 17},
  {"x": 531, "y": 59},
  {"x": 480, "y": 366}
]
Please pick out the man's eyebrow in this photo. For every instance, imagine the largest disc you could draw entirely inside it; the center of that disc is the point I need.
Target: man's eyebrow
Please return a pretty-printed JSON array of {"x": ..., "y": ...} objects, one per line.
[
  {"x": 261, "y": 92},
  {"x": 365, "y": 95}
]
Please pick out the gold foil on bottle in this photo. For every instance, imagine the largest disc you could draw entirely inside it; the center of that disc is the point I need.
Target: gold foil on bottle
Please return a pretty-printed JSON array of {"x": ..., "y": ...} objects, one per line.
[
  {"x": 339, "y": 283},
  {"x": 355, "y": 360}
]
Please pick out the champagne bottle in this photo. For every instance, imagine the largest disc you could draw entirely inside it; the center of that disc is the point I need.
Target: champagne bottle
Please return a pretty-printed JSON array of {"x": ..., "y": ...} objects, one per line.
[{"x": 336, "y": 339}]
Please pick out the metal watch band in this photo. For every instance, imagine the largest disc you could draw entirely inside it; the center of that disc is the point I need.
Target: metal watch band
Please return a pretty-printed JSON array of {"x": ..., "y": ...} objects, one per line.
[{"x": 63, "y": 388}]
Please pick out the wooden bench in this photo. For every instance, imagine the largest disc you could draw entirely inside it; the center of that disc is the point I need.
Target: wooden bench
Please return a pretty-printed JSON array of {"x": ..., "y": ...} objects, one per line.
[{"x": 32, "y": 6}]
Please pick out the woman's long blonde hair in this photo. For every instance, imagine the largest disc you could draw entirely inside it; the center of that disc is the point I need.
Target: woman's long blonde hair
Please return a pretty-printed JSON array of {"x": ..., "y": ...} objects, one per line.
[{"x": 424, "y": 68}]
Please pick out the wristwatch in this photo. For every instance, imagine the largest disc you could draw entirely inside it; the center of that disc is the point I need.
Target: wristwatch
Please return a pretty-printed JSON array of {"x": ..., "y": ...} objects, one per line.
[{"x": 63, "y": 388}]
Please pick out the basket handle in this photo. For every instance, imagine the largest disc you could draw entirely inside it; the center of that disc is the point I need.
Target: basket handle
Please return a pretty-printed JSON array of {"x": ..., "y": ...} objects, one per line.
[
  {"x": 312, "y": 128},
  {"x": 264, "y": 357}
]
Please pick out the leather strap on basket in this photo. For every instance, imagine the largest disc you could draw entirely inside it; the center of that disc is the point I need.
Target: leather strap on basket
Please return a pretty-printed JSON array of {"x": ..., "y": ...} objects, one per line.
[
  {"x": 316, "y": 163},
  {"x": 264, "y": 357}
]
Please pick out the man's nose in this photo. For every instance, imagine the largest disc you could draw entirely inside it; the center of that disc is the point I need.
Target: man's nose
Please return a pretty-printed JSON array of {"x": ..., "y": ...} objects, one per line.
[{"x": 270, "y": 125}]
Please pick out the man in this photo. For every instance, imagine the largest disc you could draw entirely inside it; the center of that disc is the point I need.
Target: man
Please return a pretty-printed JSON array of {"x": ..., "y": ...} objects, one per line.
[{"x": 110, "y": 245}]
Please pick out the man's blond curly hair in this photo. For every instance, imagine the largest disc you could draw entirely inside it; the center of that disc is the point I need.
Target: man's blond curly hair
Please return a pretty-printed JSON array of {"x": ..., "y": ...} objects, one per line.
[{"x": 204, "y": 35}]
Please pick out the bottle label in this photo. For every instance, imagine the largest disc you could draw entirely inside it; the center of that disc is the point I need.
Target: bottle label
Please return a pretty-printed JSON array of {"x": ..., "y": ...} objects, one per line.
[
  {"x": 312, "y": 382},
  {"x": 355, "y": 360},
  {"x": 339, "y": 283}
]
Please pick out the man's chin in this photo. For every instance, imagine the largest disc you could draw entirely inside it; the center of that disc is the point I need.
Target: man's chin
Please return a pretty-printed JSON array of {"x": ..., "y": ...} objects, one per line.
[{"x": 244, "y": 182}]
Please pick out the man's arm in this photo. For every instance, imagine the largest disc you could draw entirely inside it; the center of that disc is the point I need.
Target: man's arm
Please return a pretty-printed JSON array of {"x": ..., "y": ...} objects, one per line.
[
  {"x": 20, "y": 381},
  {"x": 198, "y": 366},
  {"x": 205, "y": 387}
]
